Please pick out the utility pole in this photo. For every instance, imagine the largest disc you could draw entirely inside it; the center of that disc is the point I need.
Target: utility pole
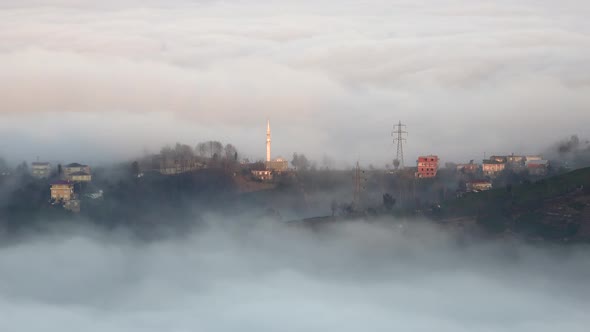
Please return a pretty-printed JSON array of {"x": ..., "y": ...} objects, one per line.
[
  {"x": 399, "y": 139},
  {"x": 267, "y": 141},
  {"x": 358, "y": 186}
]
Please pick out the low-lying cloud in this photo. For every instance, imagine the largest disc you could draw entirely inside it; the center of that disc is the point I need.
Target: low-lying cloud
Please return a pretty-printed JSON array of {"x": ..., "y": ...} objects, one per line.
[
  {"x": 500, "y": 77},
  {"x": 258, "y": 276}
]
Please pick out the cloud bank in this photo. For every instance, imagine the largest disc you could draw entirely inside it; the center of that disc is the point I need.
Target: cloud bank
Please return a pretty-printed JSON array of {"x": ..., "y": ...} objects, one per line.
[
  {"x": 467, "y": 77},
  {"x": 268, "y": 277}
]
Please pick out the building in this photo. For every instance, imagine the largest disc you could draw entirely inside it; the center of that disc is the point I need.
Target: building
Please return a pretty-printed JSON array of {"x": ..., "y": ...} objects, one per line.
[
  {"x": 80, "y": 177},
  {"x": 277, "y": 165},
  {"x": 537, "y": 167},
  {"x": 75, "y": 168},
  {"x": 62, "y": 191},
  {"x": 478, "y": 185},
  {"x": 41, "y": 170},
  {"x": 515, "y": 163},
  {"x": 470, "y": 168},
  {"x": 499, "y": 159},
  {"x": 262, "y": 175},
  {"x": 427, "y": 166},
  {"x": 515, "y": 160},
  {"x": 491, "y": 167}
]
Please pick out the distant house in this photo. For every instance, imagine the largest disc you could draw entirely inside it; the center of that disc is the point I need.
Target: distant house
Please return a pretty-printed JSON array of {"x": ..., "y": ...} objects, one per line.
[
  {"x": 537, "y": 167},
  {"x": 41, "y": 170},
  {"x": 427, "y": 166},
  {"x": 277, "y": 165},
  {"x": 496, "y": 164},
  {"x": 493, "y": 166},
  {"x": 514, "y": 159},
  {"x": 478, "y": 185},
  {"x": 499, "y": 159},
  {"x": 80, "y": 177},
  {"x": 470, "y": 168},
  {"x": 62, "y": 190},
  {"x": 262, "y": 175},
  {"x": 78, "y": 171},
  {"x": 516, "y": 163}
]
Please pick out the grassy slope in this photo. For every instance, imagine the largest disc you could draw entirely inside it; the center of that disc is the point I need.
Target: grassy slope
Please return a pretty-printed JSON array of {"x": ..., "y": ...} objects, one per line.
[{"x": 524, "y": 196}]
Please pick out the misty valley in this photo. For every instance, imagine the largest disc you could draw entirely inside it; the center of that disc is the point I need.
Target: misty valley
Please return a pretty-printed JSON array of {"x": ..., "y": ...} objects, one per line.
[
  {"x": 294, "y": 165},
  {"x": 218, "y": 248}
]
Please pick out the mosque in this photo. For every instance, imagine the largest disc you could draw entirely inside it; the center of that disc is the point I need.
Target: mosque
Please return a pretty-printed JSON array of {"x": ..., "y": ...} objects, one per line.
[{"x": 279, "y": 164}]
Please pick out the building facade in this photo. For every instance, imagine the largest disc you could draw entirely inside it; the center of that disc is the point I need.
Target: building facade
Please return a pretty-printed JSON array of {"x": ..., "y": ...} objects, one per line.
[
  {"x": 264, "y": 175},
  {"x": 277, "y": 165},
  {"x": 41, "y": 170},
  {"x": 537, "y": 167},
  {"x": 75, "y": 168},
  {"x": 62, "y": 191},
  {"x": 492, "y": 167},
  {"x": 80, "y": 177},
  {"x": 478, "y": 185},
  {"x": 427, "y": 166}
]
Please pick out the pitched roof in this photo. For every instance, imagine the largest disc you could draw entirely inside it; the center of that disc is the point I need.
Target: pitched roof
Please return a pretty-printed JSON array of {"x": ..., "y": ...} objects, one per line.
[
  {"x": 58, "y": 182},
  {"x": 75, "y": 165}
]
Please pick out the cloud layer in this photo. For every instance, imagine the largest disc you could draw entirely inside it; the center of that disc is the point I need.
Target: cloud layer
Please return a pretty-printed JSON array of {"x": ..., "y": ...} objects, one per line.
[
  {"x": 501, "y": 76},
  {"x": 265, "y": 277}
]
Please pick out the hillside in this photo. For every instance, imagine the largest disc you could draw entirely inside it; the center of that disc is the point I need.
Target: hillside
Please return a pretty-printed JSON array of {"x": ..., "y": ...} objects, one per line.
[{"x": 553, "y": 208}]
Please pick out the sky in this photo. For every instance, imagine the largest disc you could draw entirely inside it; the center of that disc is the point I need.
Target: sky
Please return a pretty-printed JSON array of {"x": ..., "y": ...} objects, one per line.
[
  {"x": 90, "y": 81},
  {"x": 258, "y": 276}
]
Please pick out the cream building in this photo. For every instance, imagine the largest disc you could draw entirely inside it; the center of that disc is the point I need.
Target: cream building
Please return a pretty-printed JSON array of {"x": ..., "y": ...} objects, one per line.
[
  {"x": 41, "y": 170},
  {"x": 77, "y": 172},
  {"x": 62, "y": 191}
]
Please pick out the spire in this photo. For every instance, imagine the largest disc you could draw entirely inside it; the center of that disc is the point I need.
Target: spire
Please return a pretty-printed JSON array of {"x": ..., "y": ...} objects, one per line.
[{"x": 267, "y": 140}]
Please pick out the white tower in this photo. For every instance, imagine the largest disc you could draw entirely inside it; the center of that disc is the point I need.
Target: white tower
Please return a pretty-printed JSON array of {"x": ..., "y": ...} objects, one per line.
[{"x": 267, "y": 140}]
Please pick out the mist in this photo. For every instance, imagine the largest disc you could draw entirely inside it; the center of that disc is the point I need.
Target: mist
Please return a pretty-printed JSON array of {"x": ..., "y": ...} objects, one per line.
[
  {"x": 94, "y": 81},
  {"x": 257, "y": 275}
]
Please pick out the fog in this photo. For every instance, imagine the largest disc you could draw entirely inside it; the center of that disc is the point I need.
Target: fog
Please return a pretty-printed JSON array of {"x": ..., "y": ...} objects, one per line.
[
  {"x": 87, "y": 80},
  {"x": 254, "y": 275}
]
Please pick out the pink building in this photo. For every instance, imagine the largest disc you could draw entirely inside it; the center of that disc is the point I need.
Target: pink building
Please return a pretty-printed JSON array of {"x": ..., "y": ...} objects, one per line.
[{"x": 427, "y": 166}]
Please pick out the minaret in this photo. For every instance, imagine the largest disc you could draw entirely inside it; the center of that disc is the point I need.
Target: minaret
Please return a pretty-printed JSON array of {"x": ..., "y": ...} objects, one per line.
[{"x": 267, "y": 140}]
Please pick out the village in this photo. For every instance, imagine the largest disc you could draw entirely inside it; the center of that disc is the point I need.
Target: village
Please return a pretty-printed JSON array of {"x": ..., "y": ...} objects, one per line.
[{"x": 71, "y": 182}]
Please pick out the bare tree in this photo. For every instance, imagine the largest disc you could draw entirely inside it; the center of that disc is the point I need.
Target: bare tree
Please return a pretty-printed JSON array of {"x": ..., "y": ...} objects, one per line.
[
  {"x": 300, "y": 162},
  {"x": 202, "y": 149},
  {"x": 231, "y": 153}
]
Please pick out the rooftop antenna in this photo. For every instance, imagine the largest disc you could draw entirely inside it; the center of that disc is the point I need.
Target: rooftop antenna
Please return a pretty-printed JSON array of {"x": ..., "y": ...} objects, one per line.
[{"x": 399, "y": 139}]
